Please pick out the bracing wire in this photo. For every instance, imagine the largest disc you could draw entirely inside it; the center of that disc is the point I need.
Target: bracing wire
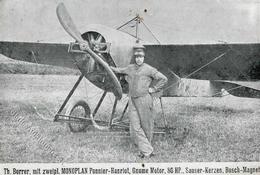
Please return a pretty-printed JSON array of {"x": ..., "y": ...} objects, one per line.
[
  {"x": 203, "y": 66},
  {"x": 118, "y": 28},
  {"x": 147, "y": 28}
]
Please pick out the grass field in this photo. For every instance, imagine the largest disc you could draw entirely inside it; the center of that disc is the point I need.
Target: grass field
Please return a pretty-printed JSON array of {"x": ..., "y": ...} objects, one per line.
[{"x": 219, "y": 129}]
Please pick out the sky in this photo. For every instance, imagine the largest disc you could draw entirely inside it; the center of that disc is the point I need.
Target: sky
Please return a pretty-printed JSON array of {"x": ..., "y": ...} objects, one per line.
[{"x": 171, "y": 21}]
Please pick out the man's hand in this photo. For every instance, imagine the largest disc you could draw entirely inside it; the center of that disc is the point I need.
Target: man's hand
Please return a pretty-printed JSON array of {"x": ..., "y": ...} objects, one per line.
[{"x": 151, "y": 90}]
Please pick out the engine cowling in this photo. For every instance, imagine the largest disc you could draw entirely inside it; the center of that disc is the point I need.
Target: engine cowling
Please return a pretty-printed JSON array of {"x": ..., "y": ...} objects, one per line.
[
  {"x": 113, "y": 46},
  {"x": 121, "y": 48}
]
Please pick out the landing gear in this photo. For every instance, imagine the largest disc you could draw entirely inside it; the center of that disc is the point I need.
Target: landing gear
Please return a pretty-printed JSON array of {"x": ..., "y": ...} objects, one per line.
[
  {"x": 79, "y": 110},
  {"x": 78, "y": 115}
]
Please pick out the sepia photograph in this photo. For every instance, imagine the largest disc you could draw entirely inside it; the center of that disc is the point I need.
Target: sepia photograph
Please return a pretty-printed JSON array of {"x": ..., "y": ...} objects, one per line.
[{"x": 130, "y": 81}]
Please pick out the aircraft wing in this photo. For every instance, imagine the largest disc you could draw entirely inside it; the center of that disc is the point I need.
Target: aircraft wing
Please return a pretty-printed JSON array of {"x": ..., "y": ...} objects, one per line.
[
  {"x": 192, "y": 64},
  {"x": 215, "y": 66},
  {"x": 41, "y": 53}
]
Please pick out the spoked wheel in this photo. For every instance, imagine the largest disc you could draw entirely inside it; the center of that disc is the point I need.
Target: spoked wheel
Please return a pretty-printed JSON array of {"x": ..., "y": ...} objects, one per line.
[{"x": 78, "y": 109}]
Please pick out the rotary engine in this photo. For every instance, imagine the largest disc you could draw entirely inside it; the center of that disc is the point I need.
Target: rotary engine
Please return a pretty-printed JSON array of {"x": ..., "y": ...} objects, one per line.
[{"x": 113, "y": 46}]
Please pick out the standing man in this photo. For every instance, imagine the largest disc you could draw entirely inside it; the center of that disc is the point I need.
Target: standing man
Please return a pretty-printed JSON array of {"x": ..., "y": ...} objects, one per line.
[{"x": 140, "y": 76}]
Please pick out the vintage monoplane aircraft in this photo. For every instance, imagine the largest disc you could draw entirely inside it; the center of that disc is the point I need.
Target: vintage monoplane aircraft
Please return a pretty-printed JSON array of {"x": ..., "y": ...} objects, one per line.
[{"x": 192, "y": 70}]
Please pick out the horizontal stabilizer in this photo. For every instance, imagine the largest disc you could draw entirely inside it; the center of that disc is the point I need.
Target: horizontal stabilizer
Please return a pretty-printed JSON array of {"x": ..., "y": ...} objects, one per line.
[{"x": 237, "y": 88}]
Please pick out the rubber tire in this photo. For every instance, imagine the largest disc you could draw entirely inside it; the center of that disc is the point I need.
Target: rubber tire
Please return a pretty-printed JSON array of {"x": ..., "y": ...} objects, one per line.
[{"x": 71, "y": 107}]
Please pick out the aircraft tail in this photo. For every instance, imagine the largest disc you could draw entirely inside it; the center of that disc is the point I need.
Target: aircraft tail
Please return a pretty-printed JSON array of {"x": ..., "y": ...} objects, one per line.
[{"x": 237, "y": 88}]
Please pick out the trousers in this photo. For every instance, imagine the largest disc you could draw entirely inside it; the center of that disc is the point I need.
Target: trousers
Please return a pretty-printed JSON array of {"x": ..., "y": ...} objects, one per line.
[{"x": 141, "y": 116}]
